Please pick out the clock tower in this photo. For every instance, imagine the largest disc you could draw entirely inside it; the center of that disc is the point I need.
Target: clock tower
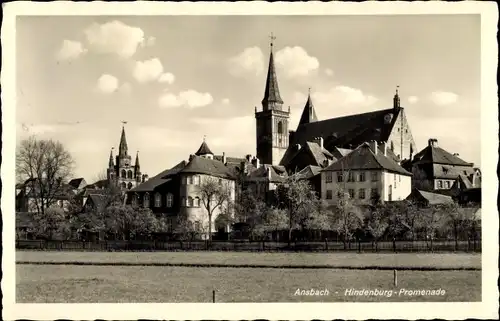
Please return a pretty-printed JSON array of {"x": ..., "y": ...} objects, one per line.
[{"x": 272, "y": 121}]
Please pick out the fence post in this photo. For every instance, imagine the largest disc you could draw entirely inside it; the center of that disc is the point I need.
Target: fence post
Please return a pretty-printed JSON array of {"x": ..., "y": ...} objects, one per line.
[
  {"x": 213, "y": 296},
  {"x": 395, "y": 278},
  {"x": 326, "y": 244}
]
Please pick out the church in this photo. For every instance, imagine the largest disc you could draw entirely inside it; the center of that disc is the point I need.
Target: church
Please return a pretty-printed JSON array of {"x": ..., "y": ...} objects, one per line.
[{"x": 315, "y": 141}]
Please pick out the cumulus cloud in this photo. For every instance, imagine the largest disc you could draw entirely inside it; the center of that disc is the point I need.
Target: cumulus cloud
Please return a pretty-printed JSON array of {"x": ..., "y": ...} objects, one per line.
[
  {"x": 248, "y": 62},
  {"x": 413, "y": 99},
  {"x": 114, "y": 37},
  {"x": 329, "y": 72},
  {"x": 70, "y": 50},
  {"x": 344, "y": 95},
  {"x": 147, "y": 70},
  {"x": 167, "y": 78},
  {"x": 225, "y": 101},
  {"x": 107, "y": 83},
  {"x": 295, "y": 61},
  {"x": 442, "y": 98},
  {"x": 189, "y": 98}
]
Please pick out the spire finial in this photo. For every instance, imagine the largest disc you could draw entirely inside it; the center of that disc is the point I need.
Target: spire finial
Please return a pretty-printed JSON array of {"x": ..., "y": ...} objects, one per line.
[
  {"x": 204, "y": 138},
  {"x": 124, "y": 122},
  {"x": 397, "y": 90},
  {"x": 309, "y": 91},
  {"x": 272, "y": 37}
]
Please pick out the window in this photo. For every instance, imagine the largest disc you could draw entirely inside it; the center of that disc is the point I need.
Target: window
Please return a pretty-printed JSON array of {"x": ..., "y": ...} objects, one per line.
[
  {"x": 351, "y": 193},
  {"x": 440, "y": 184},
  {"x": 157, "y": 200},
  {"x": 340, "y": 177},
  {"x": 124, "y": 185},
  {"x": 183, "y": 201},
  {"x": 197, "y": 202},
  {"x": 374, "y": 176},
  {"x": 350, "y": 177},
  {"x": 190, "y": 201},
  {"x": 146, "y": 200},
  {"x": 362, "y": 176},
  {"x": 124, "y": 173},
  {"x": 190, "y": 180},
  {"x": 447, "y": 184},
  {"x": 280, "y": 128},
  {"x": 170, "y": 200},
  {"x": 374, "y": 193},
  {"x": 329, "y": 194},
  {"x": 395, "y": 180},
  {"x": 390, "y": 193},
  {"x": 329, "y": 177},
  {"x": 361, "y": 194},
  {"x": 129, "y": 174},
  {"x": 129, "y": 185},
  {"x": 196, "y": 180}
]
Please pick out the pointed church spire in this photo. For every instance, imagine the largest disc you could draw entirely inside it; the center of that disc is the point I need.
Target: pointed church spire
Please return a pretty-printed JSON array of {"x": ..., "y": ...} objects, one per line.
[
  {"x": 309, "y": 114},
  {"x": 204, "y": 149},
  {"x": 272, "y": 96},
  {"x": 396, "y": 100},
  {"x": 123, "y": 148},
  {"x": 111, "y": 162},
  {"x": 137, "y": 165}
]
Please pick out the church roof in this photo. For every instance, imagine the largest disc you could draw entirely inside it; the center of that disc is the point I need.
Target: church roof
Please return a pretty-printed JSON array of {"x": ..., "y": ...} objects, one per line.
[
  {"x": 202, "y": 165},
  {"x": 437, "y": 155},
  {"x": 157, "y": 180},
  {"x": 351, "y": 130},
  {"x": 203, "y": 150},
  {"x": 308, "y": 114},
  {"x": 363, "y": 158},
  {"x": 272, "y": 92}
]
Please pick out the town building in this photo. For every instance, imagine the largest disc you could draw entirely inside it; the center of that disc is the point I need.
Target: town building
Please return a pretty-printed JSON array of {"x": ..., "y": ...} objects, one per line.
[
  {"x": 366, "y": 173},
  {"x": 436, "y": 169}
]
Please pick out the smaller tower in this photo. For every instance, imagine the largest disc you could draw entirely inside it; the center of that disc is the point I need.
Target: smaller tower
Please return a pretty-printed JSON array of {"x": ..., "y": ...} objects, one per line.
[
  {"x": 309, "y": 114},
  {"x": 204, "y": 150},
  {"x": 111, "y": 167},
  {"x": 396, "y": 100},
  {"x": 137, "y": 168}
]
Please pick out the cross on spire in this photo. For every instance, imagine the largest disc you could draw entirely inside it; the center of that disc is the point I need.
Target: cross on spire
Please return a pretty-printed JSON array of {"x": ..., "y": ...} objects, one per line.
[
  {"x": 204, "y": 138},
  {"x": 309, "y": 90},
  {"x": 272, "y": 37},
  {"x": 397, "y": 89}
]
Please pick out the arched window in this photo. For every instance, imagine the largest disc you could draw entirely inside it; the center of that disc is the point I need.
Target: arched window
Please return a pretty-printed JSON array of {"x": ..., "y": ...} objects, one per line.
[
  {"x": 196, "y": 180},
  {"x": 124, "y": 173},
  {"x": 129, "y": 174},
  {"x": 190, "y": 180},
  {"x": 146, "y": 200},
  {"x": 124, "y": 185},
  {"x": 129, "y": 186},
  {"x": 170, "y": 200},
  {"x": 190, "y": 201},
  {"x": 134, "y": 200},
  {"x": 280, "y": 127},
  {"x": 157, "y": 200},
  {"x": 197, "y": 202}
]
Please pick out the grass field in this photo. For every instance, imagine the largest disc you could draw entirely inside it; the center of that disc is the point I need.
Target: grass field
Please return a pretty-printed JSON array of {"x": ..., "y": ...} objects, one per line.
[
  {"x": 140, "y": 284},
  {"x": 239, "y": 258}
]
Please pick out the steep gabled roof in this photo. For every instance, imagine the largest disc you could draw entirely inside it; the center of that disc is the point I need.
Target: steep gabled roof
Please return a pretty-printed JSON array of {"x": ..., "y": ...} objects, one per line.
[
  {"x": 278, "y": 173},
  {"x": 75, "y": 182},
  {"x": 437, "y": 155},
  {"x": 98, "y": 200},
  {"x": 308, "y": 114},
  {"x": 363, "y": 158},
  {"x": 159, "y": 179},
  {"x": 272, "y": 92},
  {"x": 309, "y": 172},
  {"x": 201, "y": 165}
]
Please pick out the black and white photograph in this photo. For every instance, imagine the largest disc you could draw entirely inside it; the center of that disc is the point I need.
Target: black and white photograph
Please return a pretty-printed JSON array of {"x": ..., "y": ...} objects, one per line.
[{"x": 157, "y": 155}]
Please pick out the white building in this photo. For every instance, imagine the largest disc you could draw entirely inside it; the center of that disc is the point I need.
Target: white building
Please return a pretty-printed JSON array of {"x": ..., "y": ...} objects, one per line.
[{"x": 366, "y": 173}]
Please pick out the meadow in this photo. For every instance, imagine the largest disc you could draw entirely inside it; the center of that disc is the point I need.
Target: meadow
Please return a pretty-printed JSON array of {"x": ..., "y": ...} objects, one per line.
[{"x": 68, "y": 283}]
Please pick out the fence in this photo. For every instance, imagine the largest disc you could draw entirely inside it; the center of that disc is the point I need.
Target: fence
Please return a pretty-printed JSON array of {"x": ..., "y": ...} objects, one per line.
[{"x": 269, "y": 246}]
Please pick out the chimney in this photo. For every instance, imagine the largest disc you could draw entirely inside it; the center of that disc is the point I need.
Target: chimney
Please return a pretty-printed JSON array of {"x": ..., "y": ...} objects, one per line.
[
  {"x": 374, "y": 146},
  {"x": 243, "y": 167},
  {"x": 248, "y": 157},
  {"x": 385, "y": 148},
  {"x": 269, "y": 173},
  {"x": 433, "y": 142},
  {"x": 224, "y": 160},
  {"x": 256, "y": 162},
  {"x": 319, "y": 141}
]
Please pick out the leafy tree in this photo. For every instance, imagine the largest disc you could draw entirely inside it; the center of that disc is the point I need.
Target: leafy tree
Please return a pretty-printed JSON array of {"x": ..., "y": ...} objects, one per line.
[
  {"x": 432, "y": 220},
  {"x": 410, "y": 216},
  {"x": 251, "y": 210},
  {"x": 129, "y": 222},
  {"x": 51, "y": 224},
  {"x": 376, "y": 223},
  {"x": 298, "y": 197},
  {"x": 274, "y": 219},
  {"x": 45, "y": 166},
  {"x": 186, "y": 230},
  {"x": 214, "y": 194},
  {"x": 347, "y": 217}
]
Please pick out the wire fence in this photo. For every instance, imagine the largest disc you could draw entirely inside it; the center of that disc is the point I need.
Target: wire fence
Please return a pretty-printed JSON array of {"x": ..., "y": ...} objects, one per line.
[{"x": 254, "y": 246}]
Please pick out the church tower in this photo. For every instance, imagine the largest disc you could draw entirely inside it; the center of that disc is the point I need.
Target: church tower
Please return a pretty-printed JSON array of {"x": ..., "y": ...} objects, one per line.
[
  {"x": 125, "y": 173},
  {"x": 272, "y": 121}
]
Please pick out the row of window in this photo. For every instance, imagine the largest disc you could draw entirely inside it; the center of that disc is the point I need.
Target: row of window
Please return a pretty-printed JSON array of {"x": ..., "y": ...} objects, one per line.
[
  {"x": 352, "y": 193},
  {"x": 127, "y": 174},
  {"x": 443, "y": 184},
  {"x": 352, "y": 177},
  {"x": 185, "y": 201},
  {"x": 194, "y": 180}
]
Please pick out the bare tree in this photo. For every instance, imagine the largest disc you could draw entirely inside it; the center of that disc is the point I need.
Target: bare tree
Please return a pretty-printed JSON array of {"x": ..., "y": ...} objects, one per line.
[
  {"x": 432, "y": 220},
  {"x": 45, "y": 166},
  {"x": 347, "y": 217},
  {"x": 376, "y": 223},
  {"x": 214, "y": 194}
]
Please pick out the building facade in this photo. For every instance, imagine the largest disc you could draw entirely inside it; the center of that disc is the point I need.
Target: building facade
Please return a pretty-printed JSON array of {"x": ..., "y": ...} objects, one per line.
[{"x": 366, "y": 174}]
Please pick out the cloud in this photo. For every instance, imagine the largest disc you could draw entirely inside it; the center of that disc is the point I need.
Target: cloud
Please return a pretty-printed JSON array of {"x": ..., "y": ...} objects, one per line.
[
  {"x": 70, "y": 50},
  {"x": 225, "y": 101},
  {"x": 107, "y": 83},
  {"x": 344, "y": 96},
  {"x": 147, "y": 70},
  {"x": 114, "y": 37},
  {"x": 442, "y": 98},
  {"x": 248, "y": 62},
  {"x": 189, "y": 98},
  {"x": 167, "y": 78},
  {"x": 295, "y": 61},
  {"x": 413, "y": 99},
  {"x": 151, "y": 41},
  {"x": 329, "y": 72},
  {"x": 125, "y": 88}
]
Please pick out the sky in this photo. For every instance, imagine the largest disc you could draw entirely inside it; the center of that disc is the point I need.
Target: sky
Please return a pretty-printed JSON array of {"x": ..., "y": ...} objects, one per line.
[{"x": 176, "y": 79}]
